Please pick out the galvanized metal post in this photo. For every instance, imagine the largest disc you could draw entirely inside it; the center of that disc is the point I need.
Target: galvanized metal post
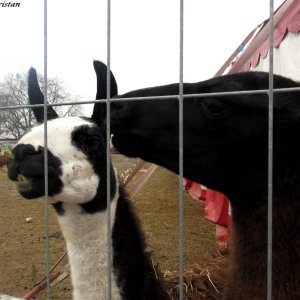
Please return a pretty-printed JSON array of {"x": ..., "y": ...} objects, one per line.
[
  {"x": 46, "y": 207},
  {"x": 270, "y": 155},
  {"x": 181, "y": 201},
  {"x": 108, "y": 170}
]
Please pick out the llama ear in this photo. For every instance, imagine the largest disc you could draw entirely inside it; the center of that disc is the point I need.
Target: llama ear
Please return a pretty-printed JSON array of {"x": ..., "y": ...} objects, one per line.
[
  {"x": 101, "y": 73},
  {"x": 37, "y": 97},
  {"x": 99, "y": 113}
]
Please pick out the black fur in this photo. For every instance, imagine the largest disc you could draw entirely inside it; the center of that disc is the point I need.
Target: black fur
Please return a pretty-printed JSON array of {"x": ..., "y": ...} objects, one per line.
[
  {"x": 229, "y": 131},
  {"x": 226, "y": 149},
  {"x": 30, "y": 163},
  {"x": 91, "y": 141},
  {"x": 135, "y": 271}
]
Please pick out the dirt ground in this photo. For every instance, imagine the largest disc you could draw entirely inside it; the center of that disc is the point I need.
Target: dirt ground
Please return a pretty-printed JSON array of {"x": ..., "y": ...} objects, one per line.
[{"x": 22, "y": 244}]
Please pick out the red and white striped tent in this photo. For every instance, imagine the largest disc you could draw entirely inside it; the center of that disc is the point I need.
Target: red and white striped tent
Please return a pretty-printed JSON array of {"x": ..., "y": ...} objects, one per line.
[{"x": 253, "y": 55}]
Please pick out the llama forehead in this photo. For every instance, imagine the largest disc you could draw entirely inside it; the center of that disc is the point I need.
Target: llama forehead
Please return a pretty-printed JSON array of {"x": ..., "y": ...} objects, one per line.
[{"x": 59, "y": 134}]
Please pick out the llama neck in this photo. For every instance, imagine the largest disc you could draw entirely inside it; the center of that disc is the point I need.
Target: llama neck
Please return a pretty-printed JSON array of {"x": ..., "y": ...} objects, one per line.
[
  {"x": 86, "y": 238},
  {"x": 248, "y": 274}
]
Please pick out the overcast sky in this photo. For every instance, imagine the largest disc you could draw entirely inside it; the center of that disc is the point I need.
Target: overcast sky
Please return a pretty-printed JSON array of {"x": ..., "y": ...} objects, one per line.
[{"x": 144, "y": 39}]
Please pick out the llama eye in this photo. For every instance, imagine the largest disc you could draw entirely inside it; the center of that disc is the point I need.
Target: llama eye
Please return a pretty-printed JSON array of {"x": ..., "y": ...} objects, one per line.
[
  {"x": 214, "y": 108},
  {"x": 91, "y": 141}
]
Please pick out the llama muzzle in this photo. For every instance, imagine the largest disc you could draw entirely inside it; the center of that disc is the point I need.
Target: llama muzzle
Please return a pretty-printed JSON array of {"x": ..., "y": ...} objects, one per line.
[{"x": 23, "y": 183}]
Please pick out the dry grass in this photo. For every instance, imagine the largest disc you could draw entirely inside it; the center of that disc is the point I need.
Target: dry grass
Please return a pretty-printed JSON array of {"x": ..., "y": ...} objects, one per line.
[{"x": 204, "y": 278}]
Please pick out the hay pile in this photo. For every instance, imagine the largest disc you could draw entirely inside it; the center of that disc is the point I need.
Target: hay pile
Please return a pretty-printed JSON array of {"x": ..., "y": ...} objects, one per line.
[{"x": 204, "y": 278}]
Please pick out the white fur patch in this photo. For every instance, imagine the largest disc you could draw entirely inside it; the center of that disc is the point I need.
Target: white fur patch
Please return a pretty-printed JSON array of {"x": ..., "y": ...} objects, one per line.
[
  {"x": 80, "y": 181},
  {"x": 86, "y": 237}
]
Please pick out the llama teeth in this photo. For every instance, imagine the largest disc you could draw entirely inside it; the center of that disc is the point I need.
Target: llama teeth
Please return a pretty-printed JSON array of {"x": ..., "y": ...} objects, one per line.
[
  {"x": 24, "y": 183},
  {"x": 22, "y": 178}
]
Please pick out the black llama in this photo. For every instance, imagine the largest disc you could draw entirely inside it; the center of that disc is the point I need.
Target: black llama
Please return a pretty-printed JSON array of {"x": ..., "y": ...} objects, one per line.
[{"x": 226, "y": 149}]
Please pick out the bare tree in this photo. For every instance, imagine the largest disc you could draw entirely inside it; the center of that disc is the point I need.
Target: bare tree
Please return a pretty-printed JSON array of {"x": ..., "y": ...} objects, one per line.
[
  {"x": 13, "y": 92},
  {"x": 58, "y": 94}
]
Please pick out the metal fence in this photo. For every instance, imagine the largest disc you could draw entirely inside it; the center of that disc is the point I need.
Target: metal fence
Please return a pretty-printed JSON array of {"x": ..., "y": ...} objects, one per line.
[{"x": 180, "y": 98}]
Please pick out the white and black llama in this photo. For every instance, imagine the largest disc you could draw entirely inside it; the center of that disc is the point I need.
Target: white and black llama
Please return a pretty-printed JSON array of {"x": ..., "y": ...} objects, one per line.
[
  {"x": 77, "y": 190},
  {"x": 226, "y": 149}
]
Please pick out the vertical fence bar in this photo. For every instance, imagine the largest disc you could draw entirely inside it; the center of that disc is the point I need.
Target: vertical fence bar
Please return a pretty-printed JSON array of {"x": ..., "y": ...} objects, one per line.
[
  {"x": 270, "y": 155},
  {"x": 181, "y": 203},
  {"x": 46, "y": 198},
  {"x": 108, "y": 170}
]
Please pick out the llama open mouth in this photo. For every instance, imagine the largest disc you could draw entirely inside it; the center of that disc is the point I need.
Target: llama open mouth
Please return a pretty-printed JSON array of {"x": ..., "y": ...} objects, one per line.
[{"x": 24, "y": 183}]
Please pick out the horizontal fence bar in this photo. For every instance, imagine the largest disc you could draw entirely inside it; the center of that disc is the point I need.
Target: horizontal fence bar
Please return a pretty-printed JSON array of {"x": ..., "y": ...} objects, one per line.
[{"x": 159, "y": 98}]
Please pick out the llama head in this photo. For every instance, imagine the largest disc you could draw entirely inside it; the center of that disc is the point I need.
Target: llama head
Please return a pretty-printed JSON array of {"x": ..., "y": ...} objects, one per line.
[
  {"x": 76, "y": 149},
  {"x": 225, "y": 137}
]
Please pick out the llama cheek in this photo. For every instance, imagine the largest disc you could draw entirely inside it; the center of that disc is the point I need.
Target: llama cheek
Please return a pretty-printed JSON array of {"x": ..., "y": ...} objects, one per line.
[
  {"x": 79, "y": 190},
  {"x": 77, "y": 170}
]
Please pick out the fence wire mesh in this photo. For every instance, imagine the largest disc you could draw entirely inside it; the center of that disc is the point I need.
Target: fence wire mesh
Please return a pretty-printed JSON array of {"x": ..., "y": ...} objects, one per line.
[{"x": 271, "y": 91}]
